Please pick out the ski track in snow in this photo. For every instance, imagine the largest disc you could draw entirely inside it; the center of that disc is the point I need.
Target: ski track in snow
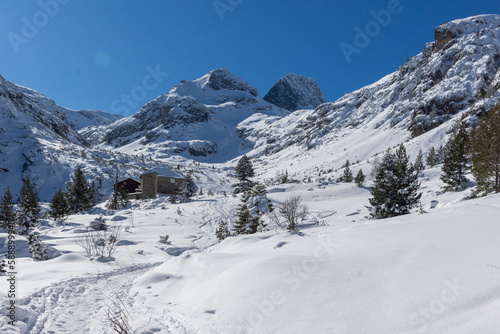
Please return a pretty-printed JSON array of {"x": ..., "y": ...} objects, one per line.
[{"x": 79, "y": 305}]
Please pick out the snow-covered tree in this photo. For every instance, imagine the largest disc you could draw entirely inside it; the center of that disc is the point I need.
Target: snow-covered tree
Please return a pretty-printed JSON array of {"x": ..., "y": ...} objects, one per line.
[
  {"x": 7, "y": 212},
  {"x": 29, "y": 208},
  {"x": 360, "y": 178},
  {"x": 456, "y": 161},
  {"x": 432, "y": 157},
  {"x": 347, "y": 176},
  {"x": 244, "y": 171},
  {"x": 246, "y": 223},
  {"x": 59, "y": 206},
  {"x": 485, "y": 149},
  {"x": 395, "y": 191},
  {"x": 419, "y": 162},
  {"x": 38, "y": 249},
  {"x": 222, "y": 231},
  {"x": 188, "y": 186},
  {"x": 81, "y": 195}
]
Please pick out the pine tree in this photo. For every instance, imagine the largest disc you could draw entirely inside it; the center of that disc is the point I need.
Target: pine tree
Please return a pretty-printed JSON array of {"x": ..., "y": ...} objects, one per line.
[
  {"x": 173, "y": 198},
  {"x": 123, "y": 200},
  {"x": 456, "y": 161},
  {"x": 347, "y": 176},
  {"x": 244, "y": 171},
  {"x": 419, "y": 162},
  {"x": 395, "y": 191},
  {"x": 246, "y": 223},
  {"x": 485, "y": 149},
  {"x": 188, "y": 186},
  {"x": 80, "y": 193},
  {"x": 432, "y": 157},
  {"x": 59, "y": 206},
  {"x": 7, "y": 212},
  {"x": 29, "y": 208},
  {"x": 360, "y": 178},
  {"x": 38, "y": 249},
  {"x": 222, "y": 231}
]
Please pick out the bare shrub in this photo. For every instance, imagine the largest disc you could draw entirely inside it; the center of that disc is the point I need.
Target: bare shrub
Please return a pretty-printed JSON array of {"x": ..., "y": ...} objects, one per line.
[
  {"x": 100, "y": 243},
  {"x": 290, "y": 213}
]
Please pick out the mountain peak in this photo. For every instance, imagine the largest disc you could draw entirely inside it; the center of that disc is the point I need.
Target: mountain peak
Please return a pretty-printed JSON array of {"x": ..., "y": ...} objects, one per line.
[
  {"x": 449, "y": 31},
  {"x": 223, "y": 79},
  {"x": 294, "y": 92}
]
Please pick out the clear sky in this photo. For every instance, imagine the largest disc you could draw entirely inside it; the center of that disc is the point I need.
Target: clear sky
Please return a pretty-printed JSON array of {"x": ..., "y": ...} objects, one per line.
[{"x": 88, "y": 54}]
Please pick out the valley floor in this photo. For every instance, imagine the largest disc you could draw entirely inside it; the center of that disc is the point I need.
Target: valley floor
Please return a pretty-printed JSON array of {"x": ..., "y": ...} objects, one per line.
[{"x": 436, "y": 272}]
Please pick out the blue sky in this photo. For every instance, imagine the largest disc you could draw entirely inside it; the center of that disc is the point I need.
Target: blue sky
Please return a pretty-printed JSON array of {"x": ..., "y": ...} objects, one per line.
[{"x": 89, "y": 54}]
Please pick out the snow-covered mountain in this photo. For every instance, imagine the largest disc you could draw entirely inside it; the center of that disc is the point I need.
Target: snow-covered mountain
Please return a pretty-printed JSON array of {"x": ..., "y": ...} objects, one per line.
[
  {"x": 196, "y": 119},
  {"x": 219, "y": 116},
  {"x": 39, "y": 139},
  {"x": 293, "y": 92},
  {"x": 457, "y": 74}
]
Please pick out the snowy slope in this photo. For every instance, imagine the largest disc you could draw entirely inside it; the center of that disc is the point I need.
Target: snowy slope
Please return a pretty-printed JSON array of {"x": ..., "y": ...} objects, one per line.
[{"x": 431, "y": 273}]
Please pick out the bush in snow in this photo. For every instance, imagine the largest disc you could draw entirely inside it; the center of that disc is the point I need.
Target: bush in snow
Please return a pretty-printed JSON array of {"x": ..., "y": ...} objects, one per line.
[
  {"x": 100, "y": 243},
  {"x": 98, "y": 224},
  {"x": 164, "y": 239},
  {"x": 292, "y": 211}
]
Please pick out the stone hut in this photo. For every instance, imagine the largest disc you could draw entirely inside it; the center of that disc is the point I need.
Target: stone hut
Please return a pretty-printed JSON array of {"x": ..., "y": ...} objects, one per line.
[{"x": 160, "y": 181}]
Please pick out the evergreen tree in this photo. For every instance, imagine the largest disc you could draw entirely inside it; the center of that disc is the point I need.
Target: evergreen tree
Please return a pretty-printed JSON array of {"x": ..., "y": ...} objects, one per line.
[
  {"x": 80, "y": 193},
  {"x": 395, "y": 191},
  {"x": 244, "y": 171},
  {"x": 347, "y": 176},
  {"x": 7, "y": 212},
  {"x": 246, "y": 223},
  {"x": 188, "y": 186},
  {"x": 455, "y": 164},
  {"x": 419, "y": 162},
  {"x": 173, "y": 198},
  {"x": 485, "y": 149},
  {"x": 122, "y": 195},
  {"x": 432, "y": 157},
  {"x": 360, "y": 178},
  {"x": 222, "y": 232},
  {"x": 59, "y": 206},
  {"x": 29, "y": 208},
  {"x": 38, "y": 249}
]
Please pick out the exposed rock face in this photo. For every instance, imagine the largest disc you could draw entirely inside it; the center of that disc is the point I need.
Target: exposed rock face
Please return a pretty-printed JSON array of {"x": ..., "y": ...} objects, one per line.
[
  {"x": 293, "y": 92},
  {"x": 447, "y": 32},
  {"x": 221, "y": 79}
]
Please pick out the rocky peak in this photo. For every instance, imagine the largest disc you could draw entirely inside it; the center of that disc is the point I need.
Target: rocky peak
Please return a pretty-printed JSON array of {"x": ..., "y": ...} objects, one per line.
[
  {"x": 447, "y": 32},
  {"x": 222, "y": 79},
  {"x": 294, "y": 92}
]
